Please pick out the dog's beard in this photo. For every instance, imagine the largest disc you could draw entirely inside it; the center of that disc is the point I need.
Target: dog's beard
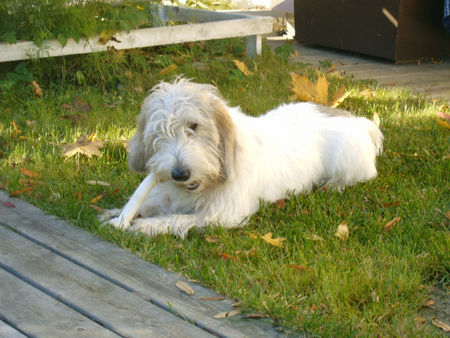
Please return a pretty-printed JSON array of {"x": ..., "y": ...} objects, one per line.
[{"x": 198, "y": 157}]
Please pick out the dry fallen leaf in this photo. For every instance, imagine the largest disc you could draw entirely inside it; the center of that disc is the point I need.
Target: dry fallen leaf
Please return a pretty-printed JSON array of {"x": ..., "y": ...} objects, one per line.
[
  {"x": 96, "y": 208},
  {"x": 212, "y": 239},
  {"x": 16, "y": 127},
  {"x": 36, "y": 89},
  {"x": 82, "y": 146},
  {"x": 273, "y": 241},
  {"x": 184, "y": 287},
  {"x": 9, "y": 205},
  {"x": 93, "y": 182},
  {"x": 429, "y": 303},
  {"x": 389, "y": 225},
  {"x": 342, "y": 231},
  {"x": 436, "y": 322},
  {"x": 168, "y": 69},
  {"x": 213, "y": 299},
  {"x": 21, "y": 191},
  {"x": 231, "y": 313},
  {"x": 339, "y": 96},
  {"x": 281, "y": 204},
  {"x": 28, "y": 172},
  {"x": 252, "y": 235},
  {"x": 242, "y": 67},
  {"x": 97, "y": 198}
]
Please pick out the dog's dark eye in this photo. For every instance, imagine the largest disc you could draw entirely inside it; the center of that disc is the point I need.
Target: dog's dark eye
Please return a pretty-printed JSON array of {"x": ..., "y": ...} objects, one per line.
[{"x": 192, "y": 126}]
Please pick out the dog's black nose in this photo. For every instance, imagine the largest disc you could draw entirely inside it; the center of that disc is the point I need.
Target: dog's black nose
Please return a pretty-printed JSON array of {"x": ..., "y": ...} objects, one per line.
[{"x": 180, "y": 175}]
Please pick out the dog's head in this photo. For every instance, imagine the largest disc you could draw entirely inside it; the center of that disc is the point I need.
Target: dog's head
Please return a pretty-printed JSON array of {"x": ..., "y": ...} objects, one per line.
[{"x": 184, "y": 135}]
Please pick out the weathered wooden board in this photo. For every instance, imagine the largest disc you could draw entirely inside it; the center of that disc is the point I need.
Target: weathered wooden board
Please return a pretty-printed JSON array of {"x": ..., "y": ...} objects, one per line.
[
  {"x": 31, "y": 309},
  {"x": 9, "y": 332},
  {"x": 100, "y": 300},
  {"x": 127, "y": 270}
]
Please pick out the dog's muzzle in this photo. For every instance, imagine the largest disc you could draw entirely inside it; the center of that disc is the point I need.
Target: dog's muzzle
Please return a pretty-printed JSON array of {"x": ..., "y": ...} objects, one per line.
[{"x": 182, "y": 175}]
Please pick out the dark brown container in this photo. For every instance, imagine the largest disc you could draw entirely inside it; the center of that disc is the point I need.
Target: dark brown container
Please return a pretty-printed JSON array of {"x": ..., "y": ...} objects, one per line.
[{"x": 391, "y": 29}]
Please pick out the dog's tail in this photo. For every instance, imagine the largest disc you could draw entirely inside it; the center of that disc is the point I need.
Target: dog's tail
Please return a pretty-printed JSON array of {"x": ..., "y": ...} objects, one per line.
[{"x": 375, "y": 133}]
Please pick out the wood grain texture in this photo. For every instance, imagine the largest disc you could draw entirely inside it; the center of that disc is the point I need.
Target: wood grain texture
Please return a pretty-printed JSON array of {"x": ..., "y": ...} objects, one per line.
[{"x": 148, "y": 280}]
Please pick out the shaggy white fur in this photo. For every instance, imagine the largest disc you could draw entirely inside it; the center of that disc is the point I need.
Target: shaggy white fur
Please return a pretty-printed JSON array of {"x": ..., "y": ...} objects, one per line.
[{"x": 212, "y": 164}]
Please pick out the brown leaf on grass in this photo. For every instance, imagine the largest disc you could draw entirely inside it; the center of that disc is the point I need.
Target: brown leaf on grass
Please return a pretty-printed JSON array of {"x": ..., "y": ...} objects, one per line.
[
  {"x": 31, "y": 124},
  {"x": 429, "y": 303},
  {"x": 367, "y": 93},
  {"x": 389, "y": 225},
  {"x": 252, "y": 235},
  {"x": 97, "y": 198},
  {"x": 184, "y": 287},
  {"x": 391, "y": 204},
  {"x": 212, "y": 239},
  {"x": 9, "y": 205},
  {"x": 29, "y": 173},
  {"x": 16, "y": 127},
  {"x": 443, "y": 326},
  {"x": 96, "y": 208},
  {"x": 443, "y": 119},
  {"x": 420, "y": 320},
  {"x": 273, "y": 241},
  {"x": 78, "y": 195},
  {"x": 37, "y": 91},
  {"x": 303, "y": 88},
  {"x": 21, "y": 191},
  {"x": 168, "y": 69},
  {"x": 228, "y": 314},
  {"x": 82, "y": 146},
  {"x": 339, "y": 96},
  {"x": 281, "y": 203},
  {"x": 102, "y": 183},
  {"x": 213, "y": 299},
  {"x": 242, "y": 67},
  {"x": 322, "y": 90},
  {"x": 342, "y": 231}
]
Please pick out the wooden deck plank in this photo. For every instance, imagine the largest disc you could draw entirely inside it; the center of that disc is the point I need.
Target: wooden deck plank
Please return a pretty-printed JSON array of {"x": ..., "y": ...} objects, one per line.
[
  {"x": 125, "y": 268},
  {"x": 102, "y": 301},
  {"x": 8, "y": 331},
  {"x": 31, "y": 309}
]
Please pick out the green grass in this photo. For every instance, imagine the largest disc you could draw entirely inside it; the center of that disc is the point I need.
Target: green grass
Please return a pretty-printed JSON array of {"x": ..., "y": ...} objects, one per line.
[{"x": 373, "y": 283}]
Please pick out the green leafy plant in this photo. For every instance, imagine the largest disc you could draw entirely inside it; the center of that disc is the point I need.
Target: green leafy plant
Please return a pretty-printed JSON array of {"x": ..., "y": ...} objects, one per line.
[{"x": 40, "y": 20}]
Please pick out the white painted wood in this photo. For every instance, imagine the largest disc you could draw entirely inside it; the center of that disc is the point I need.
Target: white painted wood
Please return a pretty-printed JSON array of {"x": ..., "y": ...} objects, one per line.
[
  {"x": 31, "y": 310},
  {"x": 147, "y": 279},
  {"x": 254, "y": 45},
  {"x": 123, "y": 312},
  {"x": 226, "y": 25}
]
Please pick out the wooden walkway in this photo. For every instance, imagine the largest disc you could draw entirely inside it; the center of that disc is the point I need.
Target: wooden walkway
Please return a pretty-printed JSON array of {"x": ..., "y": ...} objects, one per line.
[
  {"x": 57, "y": 280},
  {"x": 428, "y": 78}
]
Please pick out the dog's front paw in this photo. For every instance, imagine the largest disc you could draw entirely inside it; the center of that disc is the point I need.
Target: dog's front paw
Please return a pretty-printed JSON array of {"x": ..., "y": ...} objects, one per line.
[
  {"x": 156, "y": 226},
  {"x": 118, "y": 222},
  {"x": 108, "y": 214}
]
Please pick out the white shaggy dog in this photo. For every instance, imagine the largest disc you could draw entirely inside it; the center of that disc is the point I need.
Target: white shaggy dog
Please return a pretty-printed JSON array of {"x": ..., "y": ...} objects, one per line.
[{"x": 211, "y": 164}]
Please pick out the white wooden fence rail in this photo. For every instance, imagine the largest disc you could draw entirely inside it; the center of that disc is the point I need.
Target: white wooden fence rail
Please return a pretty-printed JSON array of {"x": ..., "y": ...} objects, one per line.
[{"x": 203, "y": 25}]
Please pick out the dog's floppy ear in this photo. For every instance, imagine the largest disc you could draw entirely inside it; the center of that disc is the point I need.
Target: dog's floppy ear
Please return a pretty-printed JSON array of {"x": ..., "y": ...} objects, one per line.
[
  {"x": 227, "y": 138},
  {"x": 137, "y": 152}
]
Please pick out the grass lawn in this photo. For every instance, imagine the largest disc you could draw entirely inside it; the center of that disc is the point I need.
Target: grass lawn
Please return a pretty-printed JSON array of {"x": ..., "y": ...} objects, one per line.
[{"x": 375, "y": 282}]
